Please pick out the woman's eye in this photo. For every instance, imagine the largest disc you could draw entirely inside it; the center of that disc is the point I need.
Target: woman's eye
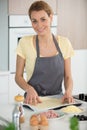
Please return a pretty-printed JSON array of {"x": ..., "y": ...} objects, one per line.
[
  {"x": 43, "y": 19},
  {"x": 34, "y": 21}
]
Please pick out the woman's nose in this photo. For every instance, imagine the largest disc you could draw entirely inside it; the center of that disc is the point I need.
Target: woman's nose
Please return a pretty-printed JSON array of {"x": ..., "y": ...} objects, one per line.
[{"x": 39, "y": 24}]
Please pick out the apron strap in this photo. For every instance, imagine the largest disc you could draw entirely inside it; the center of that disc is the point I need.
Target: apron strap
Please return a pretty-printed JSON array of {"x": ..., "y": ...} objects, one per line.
[
  {"x": 37, "y": 45},
  {"x": 56, "y": 44}
]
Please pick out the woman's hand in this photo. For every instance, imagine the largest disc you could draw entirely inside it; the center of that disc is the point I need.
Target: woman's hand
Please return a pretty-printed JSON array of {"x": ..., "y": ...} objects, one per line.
[
  {"x": 32, "y": 96},
  {"x": 68, "y": 98}
]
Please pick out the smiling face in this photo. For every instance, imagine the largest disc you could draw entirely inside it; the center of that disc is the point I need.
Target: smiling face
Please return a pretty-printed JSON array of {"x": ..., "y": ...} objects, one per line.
[{"x": 41, "y": 22}]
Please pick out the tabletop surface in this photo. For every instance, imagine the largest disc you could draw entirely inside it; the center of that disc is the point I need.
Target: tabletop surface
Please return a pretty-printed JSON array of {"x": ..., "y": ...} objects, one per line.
[{"x": 57, "y": 124}]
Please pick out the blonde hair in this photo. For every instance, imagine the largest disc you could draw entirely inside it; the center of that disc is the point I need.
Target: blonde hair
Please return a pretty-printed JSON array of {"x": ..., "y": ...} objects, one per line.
[{"x": 40, "y": 5}]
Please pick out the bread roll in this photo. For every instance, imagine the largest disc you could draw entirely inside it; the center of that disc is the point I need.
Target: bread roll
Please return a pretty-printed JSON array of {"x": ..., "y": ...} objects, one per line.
[
  {"x": 34, "y": 120},
  {"x": 44, "y": 121},
  {"x": 38, "y": 122},
  {"x": 19, "y": 98}
]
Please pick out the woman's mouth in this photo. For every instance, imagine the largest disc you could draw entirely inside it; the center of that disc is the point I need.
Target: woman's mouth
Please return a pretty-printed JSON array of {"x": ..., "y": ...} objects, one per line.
[{"x": 41, "y": 30}]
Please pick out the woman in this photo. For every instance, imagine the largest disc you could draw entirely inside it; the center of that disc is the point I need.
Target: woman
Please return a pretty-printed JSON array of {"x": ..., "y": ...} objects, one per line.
[{"x": 46, "y": 58}]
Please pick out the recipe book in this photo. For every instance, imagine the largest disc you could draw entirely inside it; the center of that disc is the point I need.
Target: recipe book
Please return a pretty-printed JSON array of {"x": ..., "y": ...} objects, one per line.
[{"x": 50, "y": 103}]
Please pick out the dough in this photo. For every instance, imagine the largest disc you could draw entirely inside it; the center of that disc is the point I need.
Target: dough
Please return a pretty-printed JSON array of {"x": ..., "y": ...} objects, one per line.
[{"x": 48, "y": 102}]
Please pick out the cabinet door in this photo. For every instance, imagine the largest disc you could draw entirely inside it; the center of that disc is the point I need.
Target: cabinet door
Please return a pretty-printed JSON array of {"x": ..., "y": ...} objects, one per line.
[
  {"x": 72, "y": 21},
  {"x": 14, "y": 89},
  {"x": 22, "y": 6}
]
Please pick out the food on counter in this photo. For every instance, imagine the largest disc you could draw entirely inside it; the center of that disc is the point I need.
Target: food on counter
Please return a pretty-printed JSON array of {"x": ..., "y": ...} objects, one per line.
[
  {"x": 21, "y": 119},
  {"x": 43, "y": 123},
  {"x": 48, "y": 102},
  {"x": 74, "y": 124},
  {"x": 19, "y": 98},
  {"x": 81, "y": 117},
  {"x": 34, "y": 120},
  {"x": 50, "y": 114},
  {"x": 71, "y": 109},
  {"x": 43, "y": 120},
  {"x": 38, "y": 122}
]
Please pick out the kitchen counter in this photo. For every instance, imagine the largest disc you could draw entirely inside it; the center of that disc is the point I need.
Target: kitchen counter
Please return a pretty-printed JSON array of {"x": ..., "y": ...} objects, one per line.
[{"x": 56, "y": 124}]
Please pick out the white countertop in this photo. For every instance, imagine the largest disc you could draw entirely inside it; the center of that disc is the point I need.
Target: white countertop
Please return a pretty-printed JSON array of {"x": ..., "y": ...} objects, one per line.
[{"x": 56, "y": 124}]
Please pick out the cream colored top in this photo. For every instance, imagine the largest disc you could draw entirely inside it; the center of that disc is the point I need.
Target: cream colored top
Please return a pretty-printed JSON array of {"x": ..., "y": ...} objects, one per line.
[{"x": 27, "y": 51}]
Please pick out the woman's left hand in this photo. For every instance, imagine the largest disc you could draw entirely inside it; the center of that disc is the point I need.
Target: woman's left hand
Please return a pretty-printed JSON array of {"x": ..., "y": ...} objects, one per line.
[{"x": 67, "y": 98}]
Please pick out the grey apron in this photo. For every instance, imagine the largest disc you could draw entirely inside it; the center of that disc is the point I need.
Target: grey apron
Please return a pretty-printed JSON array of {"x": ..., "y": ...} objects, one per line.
[{"x": 48, "y": 72}]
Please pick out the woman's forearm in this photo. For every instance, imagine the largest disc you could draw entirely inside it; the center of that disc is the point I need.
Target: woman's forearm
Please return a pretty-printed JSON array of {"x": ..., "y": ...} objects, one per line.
[
  {"x": 22, "y": 82},
  {"x": 68, "y": 83}
]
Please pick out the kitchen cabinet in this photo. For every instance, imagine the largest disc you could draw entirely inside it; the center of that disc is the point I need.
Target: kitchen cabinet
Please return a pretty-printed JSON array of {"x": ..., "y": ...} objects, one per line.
[
  {"x": 22, "y": 6},
  {"x": 72, "y": 21},
  {"x": 14, "y": 89},
  {"x": 4, "y": 85}
]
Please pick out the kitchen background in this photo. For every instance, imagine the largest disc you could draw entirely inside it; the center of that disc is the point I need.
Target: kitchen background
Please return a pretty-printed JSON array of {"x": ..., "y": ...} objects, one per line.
[{"x": 71, "y": 22}]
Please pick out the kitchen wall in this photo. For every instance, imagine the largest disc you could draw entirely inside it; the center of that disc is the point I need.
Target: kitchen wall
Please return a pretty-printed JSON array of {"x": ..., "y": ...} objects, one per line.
[
  {"x": 79, "y": 71},
  {"x": 3, "y": 35}
]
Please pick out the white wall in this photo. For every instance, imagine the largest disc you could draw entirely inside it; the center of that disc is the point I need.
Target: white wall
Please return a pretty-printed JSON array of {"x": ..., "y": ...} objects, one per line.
[{"x": 79, "y": 71}]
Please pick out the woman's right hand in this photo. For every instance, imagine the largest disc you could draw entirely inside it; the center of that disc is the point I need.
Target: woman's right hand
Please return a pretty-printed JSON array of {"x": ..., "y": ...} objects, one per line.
[{"x": 32, "y": 96}]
